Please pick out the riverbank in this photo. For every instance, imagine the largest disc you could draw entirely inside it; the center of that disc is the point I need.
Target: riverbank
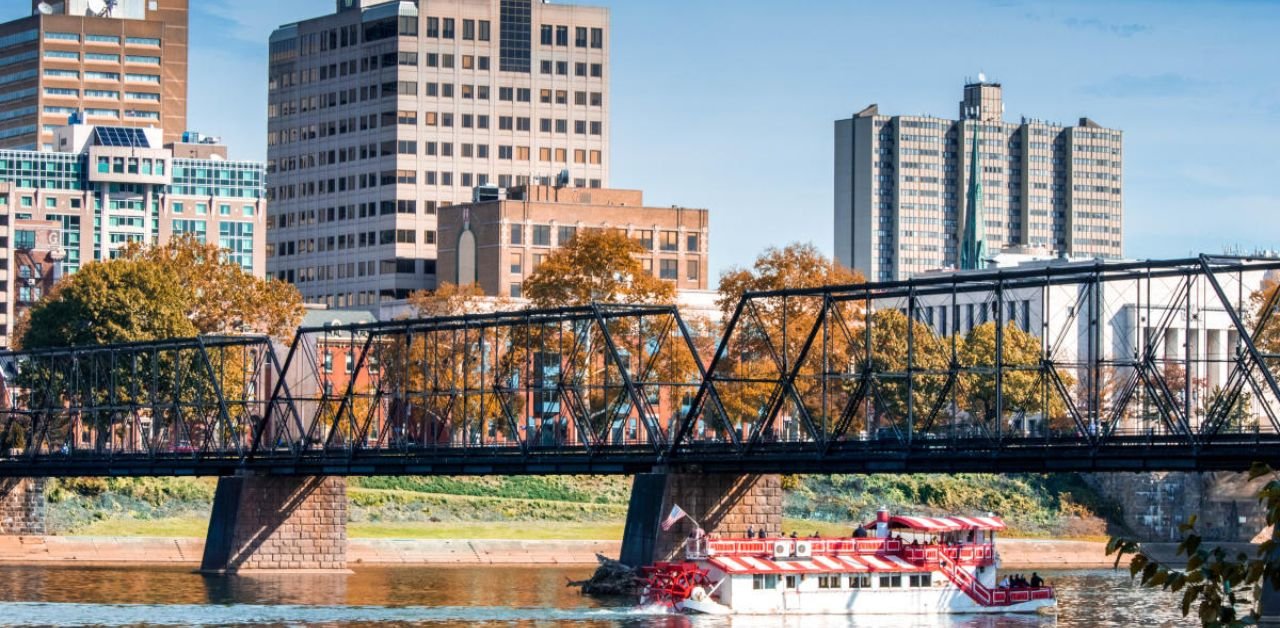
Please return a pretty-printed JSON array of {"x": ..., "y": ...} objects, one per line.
[{"x": 1023, "y": 554}]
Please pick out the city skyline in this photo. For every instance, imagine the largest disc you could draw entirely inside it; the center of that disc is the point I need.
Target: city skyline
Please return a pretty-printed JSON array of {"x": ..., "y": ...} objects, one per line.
[{"x": 1188, "y": 85}]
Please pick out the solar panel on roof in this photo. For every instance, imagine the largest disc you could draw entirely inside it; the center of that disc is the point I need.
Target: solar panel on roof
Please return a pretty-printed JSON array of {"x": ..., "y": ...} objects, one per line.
[{"x": 115, "y": 136}]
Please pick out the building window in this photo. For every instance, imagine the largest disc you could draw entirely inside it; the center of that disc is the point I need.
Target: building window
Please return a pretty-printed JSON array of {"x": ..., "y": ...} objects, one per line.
[
  {"x": 597, "y": 38},
  {"x": 644, "y": 238},
  {"x": 516, "y": 292},
  {"x": 693, "y": 270},
  {"x": 517, "y": 231},
  {"x": 670, "y": 241},
  {"x": 542, "y": 235},
  {"x": 517, "y": 263},
  {"x": 565, "y": 234},
  {"x": 562, "y": 36},
  {"x": 669, "y": 269}
]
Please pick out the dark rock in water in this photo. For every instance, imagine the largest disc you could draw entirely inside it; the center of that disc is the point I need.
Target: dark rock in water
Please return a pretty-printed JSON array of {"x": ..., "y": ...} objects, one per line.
[{"x": 611, "y": 578}]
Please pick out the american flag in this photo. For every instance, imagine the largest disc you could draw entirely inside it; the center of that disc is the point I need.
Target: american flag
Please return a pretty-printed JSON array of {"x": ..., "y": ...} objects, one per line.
[{"x": 676, "y": 515}]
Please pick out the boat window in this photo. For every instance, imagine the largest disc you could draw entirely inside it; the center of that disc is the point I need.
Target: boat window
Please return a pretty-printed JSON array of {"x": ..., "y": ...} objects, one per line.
[
  {"x": 764, "y": 581},
  {"x": 829, "y": 582},
  {"x": 859, "y": 581},
  {"x": 922, "y": 580},
  {"x": 890, "y": 580},
  {"x": 793, "y": 582}
]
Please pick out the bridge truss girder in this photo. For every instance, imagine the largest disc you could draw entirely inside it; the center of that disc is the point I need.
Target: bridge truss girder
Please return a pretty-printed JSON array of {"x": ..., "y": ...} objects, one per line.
[{"x": 1124, "y": 366}]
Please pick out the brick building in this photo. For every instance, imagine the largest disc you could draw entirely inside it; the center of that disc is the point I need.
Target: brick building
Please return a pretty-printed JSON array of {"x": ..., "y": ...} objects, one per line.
[{"x": 498, "y": 243}]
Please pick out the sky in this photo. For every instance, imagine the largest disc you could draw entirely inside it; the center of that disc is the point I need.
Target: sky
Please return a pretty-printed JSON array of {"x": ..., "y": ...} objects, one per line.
[{"x": 731, "y": 106}]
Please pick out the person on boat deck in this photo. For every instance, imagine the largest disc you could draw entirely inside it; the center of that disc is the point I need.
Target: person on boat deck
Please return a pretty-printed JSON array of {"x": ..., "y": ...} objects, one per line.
[
  {"x": 793, "y": 534},
  {"x": 1036, "y": 580},
  {"x": 915, "y": 542},
  {"x": 859, "y": 532},
  {"x": 1004, "y": 584},
  {"x": 751, "y": 532},
  {"x": 815, "y": 535}
]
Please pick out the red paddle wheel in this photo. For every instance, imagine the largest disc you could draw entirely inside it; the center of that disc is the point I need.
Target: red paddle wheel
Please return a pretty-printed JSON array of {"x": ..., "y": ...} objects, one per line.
[{"x": 671, "y": 583}]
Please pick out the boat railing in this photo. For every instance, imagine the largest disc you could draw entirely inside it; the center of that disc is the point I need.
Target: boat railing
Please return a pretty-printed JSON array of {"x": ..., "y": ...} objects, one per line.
[{"x": 963, "y": 554}]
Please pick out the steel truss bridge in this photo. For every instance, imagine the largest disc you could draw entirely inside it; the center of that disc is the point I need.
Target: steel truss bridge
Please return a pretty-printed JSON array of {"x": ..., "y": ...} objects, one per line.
[{"x": 1169, "y": 365}]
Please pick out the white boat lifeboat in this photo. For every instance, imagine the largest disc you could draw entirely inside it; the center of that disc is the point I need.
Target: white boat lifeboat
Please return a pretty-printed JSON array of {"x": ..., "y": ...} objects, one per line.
[{"x": 896, "y": 565}]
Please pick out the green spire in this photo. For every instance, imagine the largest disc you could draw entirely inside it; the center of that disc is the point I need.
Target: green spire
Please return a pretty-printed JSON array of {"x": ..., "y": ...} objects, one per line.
[{"x": 973, "y": 248}]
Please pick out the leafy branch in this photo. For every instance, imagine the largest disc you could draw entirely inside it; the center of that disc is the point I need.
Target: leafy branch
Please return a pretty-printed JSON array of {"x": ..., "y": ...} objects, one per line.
[{"x": 1225, "y": 588}]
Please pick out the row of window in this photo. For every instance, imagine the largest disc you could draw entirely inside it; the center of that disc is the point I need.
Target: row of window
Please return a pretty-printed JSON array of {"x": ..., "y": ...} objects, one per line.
[
  {"x": 100, "y": 94},
  {"x": 350, "y": 270},
  {"x": 287, "y": 76},
  {"x": 347, "y": 241},
  {"x": 466, "y": 91},
  {"x": 129, "y": 77},
  {"x": 103, "y": 57},
  {"x": 100, "y": 39},
  {"x": 350, "y": 183},
  {"x": 765, "y": 582},
  {"x": 583, "y": 36}
]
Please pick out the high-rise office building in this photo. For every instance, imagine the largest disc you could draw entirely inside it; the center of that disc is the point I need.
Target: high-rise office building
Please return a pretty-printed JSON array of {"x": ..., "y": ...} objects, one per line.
[
  {"x": 113, "y": 62},
  {"x": 106, "y": 187},
  {"x": 909, "y": 190},
  {"x": 383, "y": 112}
]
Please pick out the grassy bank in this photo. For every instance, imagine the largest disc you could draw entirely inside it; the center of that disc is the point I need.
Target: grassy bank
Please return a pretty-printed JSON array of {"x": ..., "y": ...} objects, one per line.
[{"x": 576, "y": 507}]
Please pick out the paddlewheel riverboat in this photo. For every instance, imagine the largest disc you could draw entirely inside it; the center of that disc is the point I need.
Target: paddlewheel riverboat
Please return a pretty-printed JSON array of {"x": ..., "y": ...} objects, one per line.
[{"x": 896, "y": 565}]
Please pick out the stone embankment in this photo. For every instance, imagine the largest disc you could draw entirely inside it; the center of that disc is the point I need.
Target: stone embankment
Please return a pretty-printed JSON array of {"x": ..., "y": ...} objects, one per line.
[{"x": 71, "y": 550}]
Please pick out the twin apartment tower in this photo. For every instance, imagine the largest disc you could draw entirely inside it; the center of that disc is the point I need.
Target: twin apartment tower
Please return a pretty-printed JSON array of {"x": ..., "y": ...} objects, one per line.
[{"x": 383, "y": 113}]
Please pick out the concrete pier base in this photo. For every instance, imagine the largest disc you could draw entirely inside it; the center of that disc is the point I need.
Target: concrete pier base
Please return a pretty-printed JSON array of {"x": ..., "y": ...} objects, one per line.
[
  {"x": 22, "y": 506},
  {"x": 262, "y": 523},
  {"x": 723, "y": 504}
]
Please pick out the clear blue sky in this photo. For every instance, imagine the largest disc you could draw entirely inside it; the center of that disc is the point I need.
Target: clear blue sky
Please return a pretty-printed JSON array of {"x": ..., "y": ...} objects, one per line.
[{"x": 729, "y": 105}]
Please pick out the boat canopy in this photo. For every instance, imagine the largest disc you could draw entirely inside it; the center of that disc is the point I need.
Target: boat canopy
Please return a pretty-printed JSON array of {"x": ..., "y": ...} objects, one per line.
[{"x": 943, "y": 524}]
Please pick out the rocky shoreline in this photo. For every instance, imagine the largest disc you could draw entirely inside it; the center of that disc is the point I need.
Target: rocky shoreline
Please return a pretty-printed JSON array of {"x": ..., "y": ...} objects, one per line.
[{"x": 83, "y": 550}]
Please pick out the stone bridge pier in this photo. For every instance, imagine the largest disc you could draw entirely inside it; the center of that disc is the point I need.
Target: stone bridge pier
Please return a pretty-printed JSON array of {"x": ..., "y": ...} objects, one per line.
[
  {"x": 724, "y": 504},
  {"x": 275, "y": 523},
  {"x": 22, "y": 504}
]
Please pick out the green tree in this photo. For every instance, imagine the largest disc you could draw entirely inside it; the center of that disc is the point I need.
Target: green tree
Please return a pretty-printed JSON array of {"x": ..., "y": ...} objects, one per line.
[
  {"x": 596, "y": 266},
  {"x": 1024, "y": 384},
  {"x": 119, "y": 301},
  {"x": 174, "y": 290}
]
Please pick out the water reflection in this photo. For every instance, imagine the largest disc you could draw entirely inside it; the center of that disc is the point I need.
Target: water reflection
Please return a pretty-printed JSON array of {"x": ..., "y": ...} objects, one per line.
[{"x": 466, "y": 596}]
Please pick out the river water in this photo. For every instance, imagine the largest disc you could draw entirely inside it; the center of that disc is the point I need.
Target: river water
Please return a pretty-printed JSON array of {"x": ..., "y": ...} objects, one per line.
[{"x": 475, "y": 597}]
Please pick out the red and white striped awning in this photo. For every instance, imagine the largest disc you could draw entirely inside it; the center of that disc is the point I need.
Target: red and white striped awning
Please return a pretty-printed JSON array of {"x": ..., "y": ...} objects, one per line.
[
  {"x": 944, "y": 524},
  {"x": 816, "y": 564}
]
